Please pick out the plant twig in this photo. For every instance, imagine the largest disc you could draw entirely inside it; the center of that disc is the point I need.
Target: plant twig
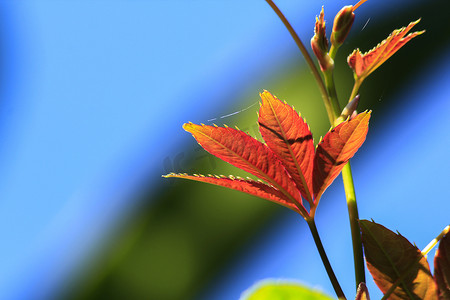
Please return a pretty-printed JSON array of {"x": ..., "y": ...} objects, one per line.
[
  {"x": 355, "y": 89},
  {"x": 309, "y": 61},
  {"x": 330, "y": 100},
  {"x": 353, "y": 215},
  {"x": 349, "y": 186},
  {"x": 323, "y": 256},
  {"x": 435, "y": 241},
  {"x": 358, "y": 257}
]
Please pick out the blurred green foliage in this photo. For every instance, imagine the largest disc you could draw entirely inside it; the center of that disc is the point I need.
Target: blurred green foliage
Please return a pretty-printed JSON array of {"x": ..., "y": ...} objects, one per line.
[
  {"x": 275, "y": 290},
  {"x": 179, "y": 238}
]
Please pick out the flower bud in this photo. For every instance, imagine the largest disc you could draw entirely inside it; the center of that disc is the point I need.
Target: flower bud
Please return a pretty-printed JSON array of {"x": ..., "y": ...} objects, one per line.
[
  {"x": 348, "y": 111},
  {"x": 342, "y": 24},
  {"x": 319, "y": 44}
]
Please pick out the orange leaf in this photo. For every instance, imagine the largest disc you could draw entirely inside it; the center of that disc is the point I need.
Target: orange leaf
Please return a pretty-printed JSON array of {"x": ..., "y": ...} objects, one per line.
[
  {"x": 249, "y": 186},
  {"x": 242, "y": 151},
  {"x": 336, "y": 148},
  {"x": 442, "y": 267},
  {"x": 288, "y": 163},
  {"x": 289, "y": 137},
  {"x": 364, "y": 64}
]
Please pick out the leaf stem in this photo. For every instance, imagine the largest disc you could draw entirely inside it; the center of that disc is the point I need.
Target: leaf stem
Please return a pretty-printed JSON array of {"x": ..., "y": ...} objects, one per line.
[
  {"x": 331, "y": 103},
  {"x": 309, "y": 61},
  {"x": 358, "y": 258},
  {"x": 337, "y": 288},
  {"x": 435, "y": 241},
  {"x": 347, "y": 178},
  {"x": 333, "y": 51},
  {"x": 353, "y": 215},
  {"x": 331, "y": 90},
  {"x": 356, "y": 86}
]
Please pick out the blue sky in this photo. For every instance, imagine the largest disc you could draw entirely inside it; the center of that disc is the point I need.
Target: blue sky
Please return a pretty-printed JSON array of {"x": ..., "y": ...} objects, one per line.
[{"x": 90, "y": 89}]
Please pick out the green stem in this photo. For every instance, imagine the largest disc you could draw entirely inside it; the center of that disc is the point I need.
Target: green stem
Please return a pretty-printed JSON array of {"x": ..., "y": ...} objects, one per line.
[
  {"x": 331, "y": 89},
  {"x": 352, "y": 206},
  {"x": 358, "y": 258},
  {"x": 333, "y": 51},
  {"x": 355, "y": 89},
  {"x": 349, "y": 187},
  {"x": 337, "y": 288},
  {"x": 330, "y": 100},
  {"x": 309, "y": 61}
]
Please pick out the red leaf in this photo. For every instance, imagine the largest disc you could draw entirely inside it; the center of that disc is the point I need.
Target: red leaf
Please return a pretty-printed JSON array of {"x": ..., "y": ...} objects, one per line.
[
  {"x": 287, "y": 163},
  {"x": 289, "y": 137},
  {"x": 395, "y": 264},
  {"x": 242, "y": 151},
  {"x": 442, "y": 267},
  {"x": 364, "y": 64},
  {"x": 249, "y": 186},
  {"x": 336, "y": 148}
]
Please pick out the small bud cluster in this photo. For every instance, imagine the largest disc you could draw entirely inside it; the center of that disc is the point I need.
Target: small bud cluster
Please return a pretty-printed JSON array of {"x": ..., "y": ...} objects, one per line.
[
  {"x": 319, "y": 44},
  {"x": 341, "y": 27},
  {"x": 342, "y": 24}
]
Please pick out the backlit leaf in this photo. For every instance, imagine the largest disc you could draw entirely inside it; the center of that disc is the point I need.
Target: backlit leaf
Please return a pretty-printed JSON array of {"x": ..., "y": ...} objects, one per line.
[
  {"x": 364, "y": 64},
  {"x": 289, "y": 137},
  {"x": 242, "y": 151},
  {"x": 442, "y": 267},
  {"x": 278, "y": 290},
  {"x": 288, "y": 162},
  {"x": 249, "y": 186},
  {"x": 336, "y": 148},
  {"x": 393, "y": 260}
]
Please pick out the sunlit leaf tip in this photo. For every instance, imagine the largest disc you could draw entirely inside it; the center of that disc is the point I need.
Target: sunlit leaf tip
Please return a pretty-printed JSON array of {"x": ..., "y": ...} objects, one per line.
[{"x": 364, "y": 64}]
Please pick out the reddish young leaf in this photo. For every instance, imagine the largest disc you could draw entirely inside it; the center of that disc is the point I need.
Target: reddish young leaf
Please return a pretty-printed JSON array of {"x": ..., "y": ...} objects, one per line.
[
  {"x": 336, "y": 148},
  {"x": 249, "y": 186},
  {"x": 442, "y": 267},
  {"x": 289, "y": 137},
  {"x": 364, "y": 64},
  {"x": 242, "y": 151},
  {"x": 396, "y": 264},
  {"x": 287, "y": 163}
]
